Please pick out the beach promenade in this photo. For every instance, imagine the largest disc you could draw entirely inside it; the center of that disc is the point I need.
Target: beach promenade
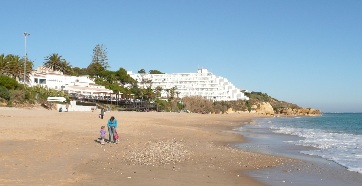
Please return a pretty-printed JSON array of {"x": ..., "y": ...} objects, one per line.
[{"x": 42, "y": 147}]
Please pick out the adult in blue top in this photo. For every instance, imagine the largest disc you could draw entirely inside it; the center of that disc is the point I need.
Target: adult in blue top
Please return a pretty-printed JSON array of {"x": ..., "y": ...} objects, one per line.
[{"x": 112, "y": 126}]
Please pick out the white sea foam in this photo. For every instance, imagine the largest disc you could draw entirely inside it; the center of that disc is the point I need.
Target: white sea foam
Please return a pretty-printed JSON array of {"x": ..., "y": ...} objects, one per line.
[{"x": 344, "y": 149}]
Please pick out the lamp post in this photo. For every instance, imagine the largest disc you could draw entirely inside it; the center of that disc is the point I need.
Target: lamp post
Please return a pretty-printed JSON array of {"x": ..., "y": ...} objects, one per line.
[{"x": 26, "y": 56}]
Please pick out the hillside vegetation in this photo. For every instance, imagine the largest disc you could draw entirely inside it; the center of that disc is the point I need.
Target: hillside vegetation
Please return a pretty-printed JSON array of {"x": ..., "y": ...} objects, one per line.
[
  {"x": 257, "y": 97},
  {"x": 17, "y": 95},
  {"x": 13, "y": 94}
]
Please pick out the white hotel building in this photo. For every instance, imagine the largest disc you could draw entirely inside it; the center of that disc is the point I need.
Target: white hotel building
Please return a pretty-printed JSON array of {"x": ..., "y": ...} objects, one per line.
[
  {"x": 202, "y": 83},
  {"x": 81, "y": 85}
]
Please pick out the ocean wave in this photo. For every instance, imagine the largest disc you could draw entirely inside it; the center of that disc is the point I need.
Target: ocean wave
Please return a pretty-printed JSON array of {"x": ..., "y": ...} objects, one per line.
[{"x": 342, "y": 148}]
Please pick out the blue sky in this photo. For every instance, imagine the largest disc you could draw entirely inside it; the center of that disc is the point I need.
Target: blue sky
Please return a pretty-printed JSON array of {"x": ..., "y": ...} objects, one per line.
[{"x": 306, "y": 52}]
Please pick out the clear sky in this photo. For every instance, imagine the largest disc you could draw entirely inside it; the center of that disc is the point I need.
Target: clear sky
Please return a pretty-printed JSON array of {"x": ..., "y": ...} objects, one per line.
[{"x": 308, "y": 52}]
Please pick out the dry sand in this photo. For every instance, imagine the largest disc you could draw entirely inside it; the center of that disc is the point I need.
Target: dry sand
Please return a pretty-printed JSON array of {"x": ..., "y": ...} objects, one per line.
[{"x": 42, "y": 147}]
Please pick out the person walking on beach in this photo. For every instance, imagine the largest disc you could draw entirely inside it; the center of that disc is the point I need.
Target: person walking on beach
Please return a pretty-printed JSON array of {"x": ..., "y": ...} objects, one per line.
[
  {"x": 102, "y": 113},
  {"x": 102, "y": 134},
  {"x": 66, "y": 106},
  {"x": 112, "y": 127}
]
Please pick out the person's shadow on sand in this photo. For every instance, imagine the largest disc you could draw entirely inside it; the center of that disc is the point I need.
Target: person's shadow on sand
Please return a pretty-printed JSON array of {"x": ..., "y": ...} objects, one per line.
[{"x": 99, "y": 140}]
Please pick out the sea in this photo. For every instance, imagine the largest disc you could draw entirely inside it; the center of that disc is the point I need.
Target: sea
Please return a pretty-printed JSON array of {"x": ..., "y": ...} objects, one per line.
[{"x": 333, "y": 137}]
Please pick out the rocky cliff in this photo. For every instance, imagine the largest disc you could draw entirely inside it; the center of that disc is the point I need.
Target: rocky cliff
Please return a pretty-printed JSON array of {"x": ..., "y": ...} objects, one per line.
[
  {"x": 264, "y": 104},
  {"x": 265, "y": 108},
  {"x": 298, "y": 112}
]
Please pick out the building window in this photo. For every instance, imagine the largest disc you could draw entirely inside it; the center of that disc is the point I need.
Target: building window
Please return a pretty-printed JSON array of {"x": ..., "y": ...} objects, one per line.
[
  {"x": 42, "y": 81},
  {"x": 36, "y": 80}
]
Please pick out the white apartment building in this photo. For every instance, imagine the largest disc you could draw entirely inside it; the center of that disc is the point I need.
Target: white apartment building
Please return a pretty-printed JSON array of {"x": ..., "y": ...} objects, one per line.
[
  {"x": 82, "y": 85},
  {"x": 202, "y": 83}
]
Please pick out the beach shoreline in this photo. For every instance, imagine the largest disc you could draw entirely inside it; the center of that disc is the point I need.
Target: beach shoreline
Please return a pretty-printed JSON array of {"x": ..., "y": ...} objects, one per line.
[
  {"x": 43, "y": 147},
  {"x": 61, "y": 148},
  {"x": 308, "y": 170}
]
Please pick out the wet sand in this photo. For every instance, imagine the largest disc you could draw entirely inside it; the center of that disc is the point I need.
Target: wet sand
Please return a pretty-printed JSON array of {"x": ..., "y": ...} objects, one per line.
[{"x": 42, "y": 147}]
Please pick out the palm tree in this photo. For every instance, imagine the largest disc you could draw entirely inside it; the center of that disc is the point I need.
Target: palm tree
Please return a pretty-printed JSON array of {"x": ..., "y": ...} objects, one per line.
[
  {"x": 172, "y": 92},
  {"x": 158, "y": 91},
  {"x": 13, "y": 66},
  {"x": 66, "y": 68},
  {"x": 148, "y": 93},
  {"x": 57, "y": 63}
]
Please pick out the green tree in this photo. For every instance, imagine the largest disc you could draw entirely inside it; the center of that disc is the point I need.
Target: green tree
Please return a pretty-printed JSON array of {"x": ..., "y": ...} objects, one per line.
[
  {"x": 148, "y": 93},
  {"x": 57, "y": 63},
  {"x": 95, "y": 69},
  {"x": 123, "y": 77},
  {"x": 76, "y": 71},
  {"x": 172, "y": 93},
  {"x": 100, "y": 56},
  {"x": 8, "y": 82},
  {"x": 158, "y": 91},
  {"x": 4, "y": 93},
  {"x": 142, "y": 71},
  {"x": 136, "y": 91},
  {"x": 109, "y": 76},
  {"x": 66, "y": 68},
  {"x": 155, "y": 72},
  {"x": 15, "y": 67}
]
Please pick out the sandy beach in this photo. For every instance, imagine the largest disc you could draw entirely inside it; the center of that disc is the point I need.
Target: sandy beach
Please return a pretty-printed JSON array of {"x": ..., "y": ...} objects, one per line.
[{"x": 42, "y": 147}]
